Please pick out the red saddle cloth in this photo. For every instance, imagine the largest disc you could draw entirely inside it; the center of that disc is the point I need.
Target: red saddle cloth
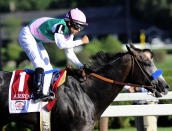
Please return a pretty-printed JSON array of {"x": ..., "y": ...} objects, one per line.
[
  {"x": 21, "y": 92},
  {"x": 21, "y": 85}
]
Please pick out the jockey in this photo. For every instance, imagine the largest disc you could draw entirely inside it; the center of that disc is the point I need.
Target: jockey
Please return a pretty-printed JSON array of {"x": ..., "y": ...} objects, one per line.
[{"x": 51, "y": 30}]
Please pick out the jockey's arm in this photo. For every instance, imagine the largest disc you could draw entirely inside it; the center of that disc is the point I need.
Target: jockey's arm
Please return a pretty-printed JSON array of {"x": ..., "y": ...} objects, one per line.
[
  {"x": 64, "y": 43},
  {"x": 68, "y": 45},
  {"x": 72, "y": 57}
]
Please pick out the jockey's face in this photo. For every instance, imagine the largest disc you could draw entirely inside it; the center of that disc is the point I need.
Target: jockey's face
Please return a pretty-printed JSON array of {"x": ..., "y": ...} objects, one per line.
[{"x": 73, "y": 30}]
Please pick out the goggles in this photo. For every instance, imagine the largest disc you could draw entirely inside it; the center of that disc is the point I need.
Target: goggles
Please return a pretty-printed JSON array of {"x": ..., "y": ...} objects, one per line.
[{"x": 77, "y": 26}]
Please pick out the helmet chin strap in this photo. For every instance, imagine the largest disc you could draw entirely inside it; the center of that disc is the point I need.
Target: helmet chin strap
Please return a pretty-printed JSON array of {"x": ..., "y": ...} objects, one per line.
[
  {"x": 70, "y": 18},
  {"x": 68, "y": 26}
]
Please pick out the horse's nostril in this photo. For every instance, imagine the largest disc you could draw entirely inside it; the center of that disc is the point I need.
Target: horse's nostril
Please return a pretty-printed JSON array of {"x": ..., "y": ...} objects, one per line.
[{"x": 165, "y": 91}]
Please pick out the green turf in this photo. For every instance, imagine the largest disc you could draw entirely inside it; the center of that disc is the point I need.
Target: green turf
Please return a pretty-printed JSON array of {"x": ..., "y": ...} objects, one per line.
[{"x": 166, "y": 65}]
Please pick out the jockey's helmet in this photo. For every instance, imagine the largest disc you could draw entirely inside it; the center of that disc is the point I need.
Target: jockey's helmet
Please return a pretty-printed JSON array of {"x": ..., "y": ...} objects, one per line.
[{"x": 77, "y": 18}]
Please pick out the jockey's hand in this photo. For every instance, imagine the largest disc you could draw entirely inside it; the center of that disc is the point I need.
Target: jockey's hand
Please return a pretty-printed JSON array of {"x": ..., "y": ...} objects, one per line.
[
  {"x": 69, "y": 67},
  {"x": 83, "y": 73},
  {"x": 85, "y": 39},
  {"x": 131, "y": 90}
]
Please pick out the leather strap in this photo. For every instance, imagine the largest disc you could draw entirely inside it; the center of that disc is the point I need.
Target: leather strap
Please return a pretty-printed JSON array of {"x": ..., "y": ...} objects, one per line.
[{"x": 119, "y": 83}]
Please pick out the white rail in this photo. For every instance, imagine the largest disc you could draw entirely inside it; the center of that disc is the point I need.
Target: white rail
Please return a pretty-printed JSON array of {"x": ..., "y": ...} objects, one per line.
[{"x": 138, "y": 110}]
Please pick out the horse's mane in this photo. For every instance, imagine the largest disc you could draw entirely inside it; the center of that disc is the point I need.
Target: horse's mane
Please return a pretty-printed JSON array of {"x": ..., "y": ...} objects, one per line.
[
  {"x": 97, "y": 63},
  {"x": 102, "y": 59}
]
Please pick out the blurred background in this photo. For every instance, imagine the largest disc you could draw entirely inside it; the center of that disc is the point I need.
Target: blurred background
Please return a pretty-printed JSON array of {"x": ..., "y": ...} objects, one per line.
[{"x": 112, "y": 24}]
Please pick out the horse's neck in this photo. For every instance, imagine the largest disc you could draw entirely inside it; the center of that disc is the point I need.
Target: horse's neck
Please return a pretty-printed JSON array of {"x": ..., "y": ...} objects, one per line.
[{"x": 104, "y": 92}]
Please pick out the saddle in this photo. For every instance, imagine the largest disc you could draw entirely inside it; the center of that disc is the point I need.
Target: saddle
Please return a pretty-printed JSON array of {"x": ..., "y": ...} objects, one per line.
[{"x": 21, "y": 90}]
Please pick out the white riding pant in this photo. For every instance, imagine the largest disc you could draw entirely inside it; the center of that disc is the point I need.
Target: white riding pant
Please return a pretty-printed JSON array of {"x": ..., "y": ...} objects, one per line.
[{"x": 37, "y": 55}]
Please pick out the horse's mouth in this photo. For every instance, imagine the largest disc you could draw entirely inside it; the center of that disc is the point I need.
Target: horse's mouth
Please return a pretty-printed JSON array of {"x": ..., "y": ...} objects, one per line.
[{"x": 165, "y": 91}]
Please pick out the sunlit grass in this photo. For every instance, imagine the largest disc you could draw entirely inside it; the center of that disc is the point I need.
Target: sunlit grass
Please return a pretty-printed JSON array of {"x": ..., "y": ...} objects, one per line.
[{"x": 166, "y": 64}]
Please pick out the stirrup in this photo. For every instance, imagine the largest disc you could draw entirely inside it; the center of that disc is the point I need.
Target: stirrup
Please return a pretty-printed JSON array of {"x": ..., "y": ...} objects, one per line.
[{"x": 43, "y": 98}]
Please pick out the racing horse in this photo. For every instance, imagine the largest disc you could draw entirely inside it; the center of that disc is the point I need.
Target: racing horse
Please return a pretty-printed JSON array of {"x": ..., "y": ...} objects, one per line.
[{"x": 80, "y": 103}]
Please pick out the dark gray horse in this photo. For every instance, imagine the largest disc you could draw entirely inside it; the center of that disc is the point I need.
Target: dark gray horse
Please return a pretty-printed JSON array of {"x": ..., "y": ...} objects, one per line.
[{"x": 80, "y": 103}]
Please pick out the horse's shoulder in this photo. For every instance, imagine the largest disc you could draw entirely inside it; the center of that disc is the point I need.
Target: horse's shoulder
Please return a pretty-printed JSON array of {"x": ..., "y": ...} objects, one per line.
[{"x": 74, "y": 75}]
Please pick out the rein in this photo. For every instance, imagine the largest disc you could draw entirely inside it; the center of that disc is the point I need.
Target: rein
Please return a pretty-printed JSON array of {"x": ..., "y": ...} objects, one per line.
[
  {"x": 123, "y": 83},
  {"x": 119, "y": 83}
]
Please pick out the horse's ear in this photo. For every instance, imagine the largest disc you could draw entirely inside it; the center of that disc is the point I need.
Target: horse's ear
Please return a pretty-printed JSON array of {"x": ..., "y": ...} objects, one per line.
[
  {"x": 128, "y": 48},
  {"x": 132, "y": 46},
  {"x": 131, "y": 49}
]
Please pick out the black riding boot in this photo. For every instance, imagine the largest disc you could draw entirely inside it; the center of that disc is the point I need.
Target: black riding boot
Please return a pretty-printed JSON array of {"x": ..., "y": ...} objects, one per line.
[{"x": 38, "y": 84}]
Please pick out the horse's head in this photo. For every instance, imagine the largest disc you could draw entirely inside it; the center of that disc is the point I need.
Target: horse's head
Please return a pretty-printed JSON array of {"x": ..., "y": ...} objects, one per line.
[{"x": 144, "y": 68}]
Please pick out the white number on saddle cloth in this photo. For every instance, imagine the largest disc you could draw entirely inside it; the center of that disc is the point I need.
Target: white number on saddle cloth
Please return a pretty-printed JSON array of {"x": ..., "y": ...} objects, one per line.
[
  {"x": 22, "y": 80},
  {"x": 19, "y": 96}
]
